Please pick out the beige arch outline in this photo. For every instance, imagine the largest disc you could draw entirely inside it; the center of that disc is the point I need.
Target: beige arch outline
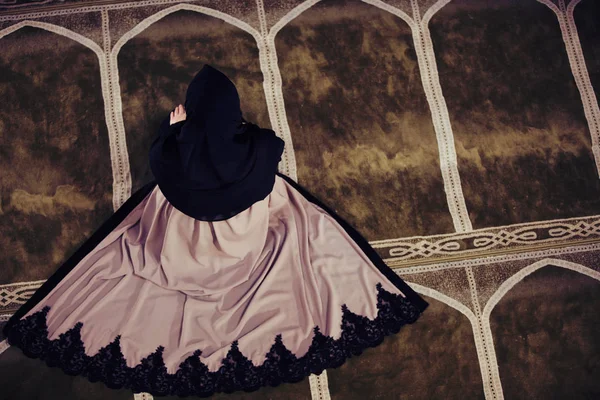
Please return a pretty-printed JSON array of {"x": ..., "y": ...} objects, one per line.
[
  {"x": 274, "y": 85},
  {"x": 433, "y": 92},
  {"x": 4, "y": 344},
  {"x": 59, "y": 30},
  {"x": 564, "y": 13},
  {"x": 300, "y": 8},
  {"x": 519, "y": 276},
  {"x": 117, "y": 105},
  {"x": 487, "y": 381},
  {"x": 431, "y": 11},
  {"x": 512, "y": 281},
  {"x": 145, "y": 23}
]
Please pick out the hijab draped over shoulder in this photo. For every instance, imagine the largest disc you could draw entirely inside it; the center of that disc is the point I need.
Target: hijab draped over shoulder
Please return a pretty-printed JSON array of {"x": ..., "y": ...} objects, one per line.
[{"x": 214, "y": 164}]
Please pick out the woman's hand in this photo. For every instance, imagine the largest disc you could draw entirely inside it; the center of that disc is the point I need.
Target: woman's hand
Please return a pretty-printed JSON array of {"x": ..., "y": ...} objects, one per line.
[{"x": 178, "y": 114}]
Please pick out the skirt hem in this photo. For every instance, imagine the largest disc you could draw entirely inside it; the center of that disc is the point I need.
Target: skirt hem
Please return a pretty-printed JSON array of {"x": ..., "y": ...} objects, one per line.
[{"x": 236, "y": 373}]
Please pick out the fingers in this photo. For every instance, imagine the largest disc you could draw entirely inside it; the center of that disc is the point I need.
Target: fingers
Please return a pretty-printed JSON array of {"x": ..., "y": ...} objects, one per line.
[
  {"x": 178, "y": 114},
  {"x": 179, "y": 110}
]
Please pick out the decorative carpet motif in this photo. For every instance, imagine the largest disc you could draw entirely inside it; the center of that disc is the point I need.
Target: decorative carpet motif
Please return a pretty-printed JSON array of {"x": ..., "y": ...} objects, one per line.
[{"x": 460, "y": 137}]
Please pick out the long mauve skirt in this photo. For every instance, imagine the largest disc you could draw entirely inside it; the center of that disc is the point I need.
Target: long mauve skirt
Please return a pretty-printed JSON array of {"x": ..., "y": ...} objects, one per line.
[{"x": 159, "y": 302}]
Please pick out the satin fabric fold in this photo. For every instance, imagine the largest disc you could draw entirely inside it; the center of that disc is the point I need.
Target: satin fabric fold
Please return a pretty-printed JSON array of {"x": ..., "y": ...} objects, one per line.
[{"x": 161, "y": 278}]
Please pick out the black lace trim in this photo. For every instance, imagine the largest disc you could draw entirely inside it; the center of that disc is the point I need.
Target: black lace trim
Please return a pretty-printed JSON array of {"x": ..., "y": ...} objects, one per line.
[
  {"x": 411, "y": 295},
  {"x": 236, "y": 372}
]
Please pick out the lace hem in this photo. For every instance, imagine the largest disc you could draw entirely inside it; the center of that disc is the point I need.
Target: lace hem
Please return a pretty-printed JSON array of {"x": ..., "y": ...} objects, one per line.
[{"x": 236, "y": 372}]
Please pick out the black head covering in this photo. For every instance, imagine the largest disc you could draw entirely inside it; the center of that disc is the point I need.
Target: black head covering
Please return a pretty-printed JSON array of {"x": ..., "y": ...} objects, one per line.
[{"x": 214, "y": 165}]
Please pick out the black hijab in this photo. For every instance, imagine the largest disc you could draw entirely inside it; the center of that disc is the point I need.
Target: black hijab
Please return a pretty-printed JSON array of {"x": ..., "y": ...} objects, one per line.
[{"x": 214, "y": 165}]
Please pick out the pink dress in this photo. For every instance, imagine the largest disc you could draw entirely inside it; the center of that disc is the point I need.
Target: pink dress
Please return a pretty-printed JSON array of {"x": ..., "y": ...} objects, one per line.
[{"x": 159, "y": 302}]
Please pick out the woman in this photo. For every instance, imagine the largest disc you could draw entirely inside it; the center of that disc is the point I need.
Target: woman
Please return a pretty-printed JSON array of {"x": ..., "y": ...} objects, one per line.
[{"x": 222, "y": 275}]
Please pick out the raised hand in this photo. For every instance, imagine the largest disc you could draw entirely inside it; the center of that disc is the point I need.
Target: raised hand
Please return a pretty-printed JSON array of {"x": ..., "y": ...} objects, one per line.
[{"x": 178, "y": 114}]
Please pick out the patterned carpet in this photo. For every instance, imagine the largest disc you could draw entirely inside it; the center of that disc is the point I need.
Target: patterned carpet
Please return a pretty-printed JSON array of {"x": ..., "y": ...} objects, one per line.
[{"x": 460, "y": 137}]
